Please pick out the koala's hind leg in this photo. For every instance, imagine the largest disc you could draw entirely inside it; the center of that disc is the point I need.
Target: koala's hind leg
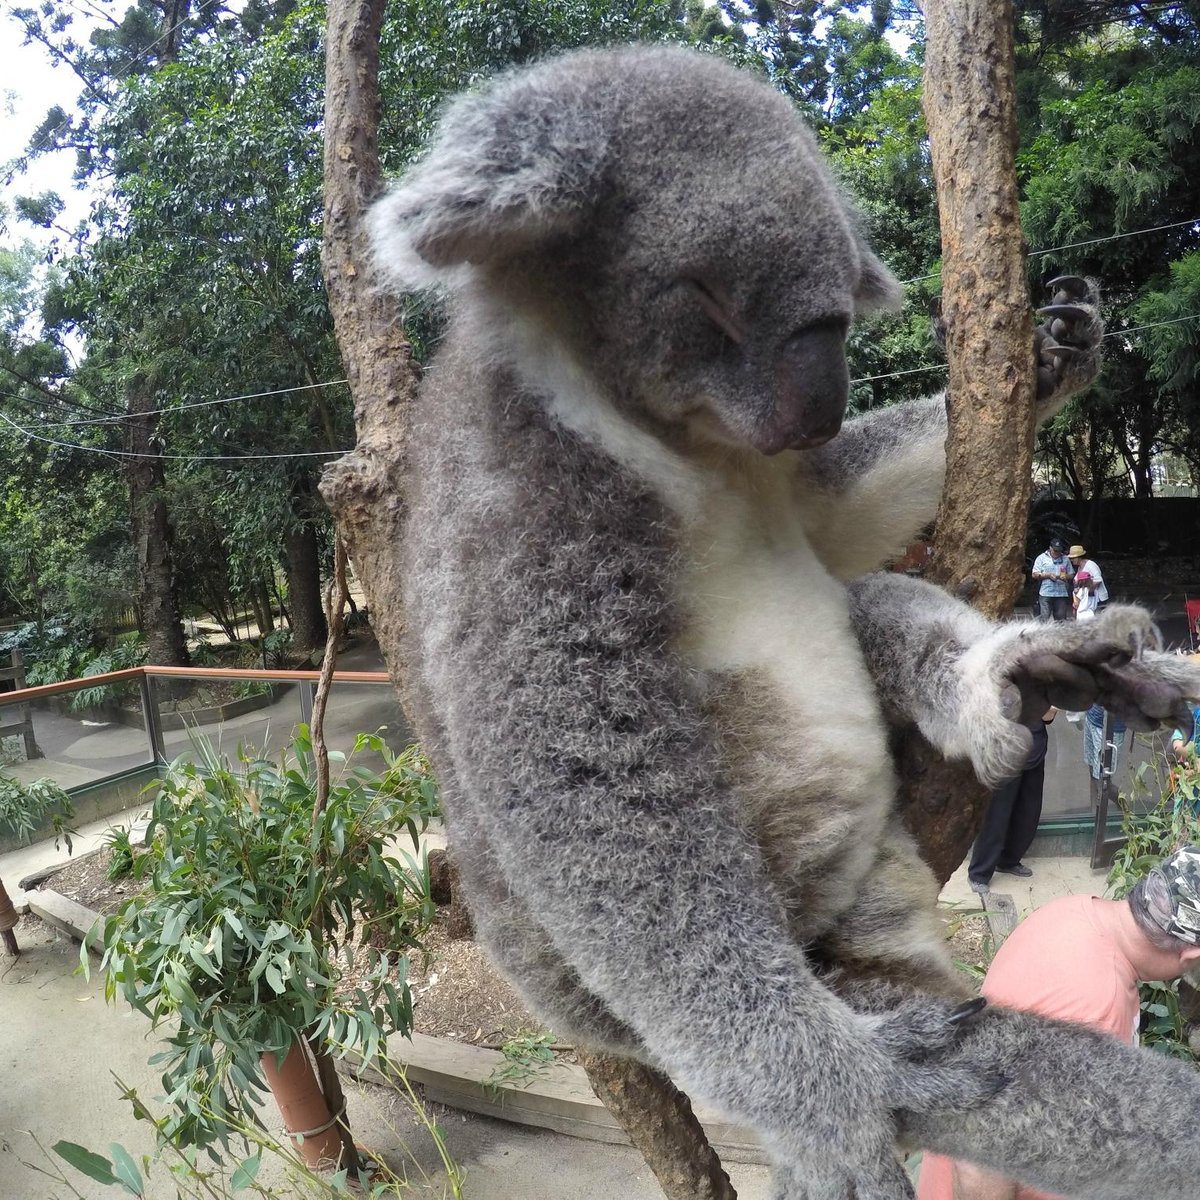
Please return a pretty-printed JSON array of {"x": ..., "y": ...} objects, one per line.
[
  {"x": 524, "y": 953},
  {"x": 1082, "y": 1114},
  {"x": 892, "y": 931}
]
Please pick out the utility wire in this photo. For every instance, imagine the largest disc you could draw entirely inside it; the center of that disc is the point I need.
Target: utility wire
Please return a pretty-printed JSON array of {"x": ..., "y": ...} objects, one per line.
[
  {"x": 1112, "y": 333},
  {"x": 1112, "y": 237},
  {"x": 238, "y": 458},
  {"x": 227, "y": 458},
  {"x": 116, "y": 418}
]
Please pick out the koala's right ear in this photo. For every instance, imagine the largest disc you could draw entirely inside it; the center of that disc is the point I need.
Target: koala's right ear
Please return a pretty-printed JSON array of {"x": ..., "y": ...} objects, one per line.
[{"x": 508, "y": 169}]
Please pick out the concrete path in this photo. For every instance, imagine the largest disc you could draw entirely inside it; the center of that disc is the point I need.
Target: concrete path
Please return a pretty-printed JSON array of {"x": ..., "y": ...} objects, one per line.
[{"x": 60, "y": 1044}]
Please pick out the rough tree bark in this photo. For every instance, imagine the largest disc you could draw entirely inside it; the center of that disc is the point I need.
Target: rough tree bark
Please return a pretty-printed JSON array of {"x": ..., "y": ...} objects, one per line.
[
  {"x": 150, "y": 524},
  {"x": 365, "y": 491},
  {"x": 970, "y": 108}
]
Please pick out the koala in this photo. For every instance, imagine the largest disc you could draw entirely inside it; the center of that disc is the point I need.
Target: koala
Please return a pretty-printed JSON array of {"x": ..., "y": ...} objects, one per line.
[{"x": 649, "y": 662}]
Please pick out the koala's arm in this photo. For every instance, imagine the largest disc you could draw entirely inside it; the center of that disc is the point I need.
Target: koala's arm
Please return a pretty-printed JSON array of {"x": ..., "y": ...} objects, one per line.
[
  {"x": 867, "y": 493},
  {"x": 971, "y": 686},
  {"x": 1084, "y": 1115}
]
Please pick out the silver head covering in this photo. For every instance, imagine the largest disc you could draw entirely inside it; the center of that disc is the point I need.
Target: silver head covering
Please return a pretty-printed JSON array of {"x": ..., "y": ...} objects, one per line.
[{"x": 1173, "y": 895}]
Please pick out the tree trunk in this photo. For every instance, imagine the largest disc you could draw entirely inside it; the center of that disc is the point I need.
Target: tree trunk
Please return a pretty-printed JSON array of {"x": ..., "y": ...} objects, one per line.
[
  {"x": 8, "y": 922},
  {"x": 302, "y": 561},
  {"x": 970, "y": 109},
  {"x": 260, "y": 598},
  {"x": 659, "y": 1120},
  {"x": 161, "y": 626}
]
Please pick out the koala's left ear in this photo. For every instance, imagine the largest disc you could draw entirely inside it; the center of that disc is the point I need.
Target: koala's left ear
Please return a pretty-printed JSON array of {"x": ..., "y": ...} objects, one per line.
[
  {"x": 509, "y": 168},
  {"x": 878, "y": 289}
]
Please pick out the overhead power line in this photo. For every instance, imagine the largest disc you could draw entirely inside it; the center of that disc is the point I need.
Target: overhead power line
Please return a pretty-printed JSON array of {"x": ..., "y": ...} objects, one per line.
[
  {"x": 1112, "y": 333},
  {"x": 225, "y": 458},
  {"x": 1112, "y": 237},
  {"x": 116, "y": 418}
]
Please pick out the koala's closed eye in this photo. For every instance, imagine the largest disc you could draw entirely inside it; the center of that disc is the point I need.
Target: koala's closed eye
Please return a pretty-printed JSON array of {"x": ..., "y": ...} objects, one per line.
[{"x": 719, "y": 307}]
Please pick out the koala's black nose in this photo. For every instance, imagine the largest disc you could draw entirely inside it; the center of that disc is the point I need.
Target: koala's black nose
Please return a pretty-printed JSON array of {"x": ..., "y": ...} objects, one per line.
[{"x": 811, "y": 385}]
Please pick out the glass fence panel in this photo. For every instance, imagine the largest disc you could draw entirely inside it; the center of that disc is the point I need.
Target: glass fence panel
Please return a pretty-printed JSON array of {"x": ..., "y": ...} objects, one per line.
[
  {"x": 265, "y": 721},
  {"x": 356, "y": 708},
  {"x": 75, "y": 739},
  {"x": 1068, "y": 793},
  {"x": 258, "y": 716}
]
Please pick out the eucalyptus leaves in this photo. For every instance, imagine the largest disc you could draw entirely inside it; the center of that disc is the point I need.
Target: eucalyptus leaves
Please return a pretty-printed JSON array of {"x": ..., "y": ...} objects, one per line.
[{"x": 262, "y": 920}]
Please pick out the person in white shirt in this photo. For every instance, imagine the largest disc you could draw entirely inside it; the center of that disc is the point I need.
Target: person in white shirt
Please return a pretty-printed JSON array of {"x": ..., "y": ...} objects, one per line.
[{"x": 1095, "y": 581}]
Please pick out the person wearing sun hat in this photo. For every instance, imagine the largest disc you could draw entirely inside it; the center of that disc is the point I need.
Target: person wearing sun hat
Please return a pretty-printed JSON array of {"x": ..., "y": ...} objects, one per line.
[
  {"x": 1080, "y": 958},
  {"x": 1094, "y": 581}
]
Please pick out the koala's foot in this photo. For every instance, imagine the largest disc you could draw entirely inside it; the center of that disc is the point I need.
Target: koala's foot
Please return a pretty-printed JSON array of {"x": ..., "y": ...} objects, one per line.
[
  {"x": 1013, "y": 676},
  {"x": 849, "y": 1152},
  {"x": 1067, "y": 343}
]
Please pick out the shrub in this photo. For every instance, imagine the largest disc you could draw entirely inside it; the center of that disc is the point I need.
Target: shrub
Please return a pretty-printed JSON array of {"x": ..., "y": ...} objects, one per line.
[{"x": 257, "y": 924}]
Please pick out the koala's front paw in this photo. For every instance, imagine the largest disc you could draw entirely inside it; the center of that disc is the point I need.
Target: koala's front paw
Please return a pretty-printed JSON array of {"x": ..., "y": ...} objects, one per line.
[
  {"x": 911, "y": 1036},
  {"x": 1067, "y": 343},
  {"x": 1015, "y": 674}
]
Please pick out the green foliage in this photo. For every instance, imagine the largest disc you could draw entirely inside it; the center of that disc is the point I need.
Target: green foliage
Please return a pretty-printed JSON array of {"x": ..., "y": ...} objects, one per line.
[
  {"x": 261, "y": 921},
  {"x": 124, "y": 858},
  {"x": 24, "y": 807},
  {"x": 1150, "y": 836},
  {"x": 127, "y": 653},
  {"x": 525, "y": 1055}
]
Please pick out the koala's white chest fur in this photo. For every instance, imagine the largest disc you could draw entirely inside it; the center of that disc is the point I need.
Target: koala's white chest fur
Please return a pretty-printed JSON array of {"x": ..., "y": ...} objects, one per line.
[{"x": 767, "y": 628}]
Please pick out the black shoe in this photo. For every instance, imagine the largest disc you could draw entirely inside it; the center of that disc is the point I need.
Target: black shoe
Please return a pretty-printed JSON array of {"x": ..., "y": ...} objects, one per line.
[
  {"x": 1019, "y": 869},
  {"x": 979, "y": 887}
]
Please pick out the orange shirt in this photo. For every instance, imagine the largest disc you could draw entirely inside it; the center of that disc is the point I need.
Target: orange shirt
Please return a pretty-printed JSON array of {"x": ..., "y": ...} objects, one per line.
[{"x": 1061, "y": 961}]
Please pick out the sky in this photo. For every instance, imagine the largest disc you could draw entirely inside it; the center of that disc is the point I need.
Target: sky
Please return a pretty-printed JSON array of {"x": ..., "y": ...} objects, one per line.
[{"x": 29, "y": 86}]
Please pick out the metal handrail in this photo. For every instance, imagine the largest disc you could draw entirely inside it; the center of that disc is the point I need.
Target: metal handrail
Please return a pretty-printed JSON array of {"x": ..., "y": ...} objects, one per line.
[{"x": 131, "y": 674}]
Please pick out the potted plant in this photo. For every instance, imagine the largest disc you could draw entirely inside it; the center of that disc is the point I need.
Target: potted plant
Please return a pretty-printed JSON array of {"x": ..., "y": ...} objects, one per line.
[{"x": 260, "y": 933}]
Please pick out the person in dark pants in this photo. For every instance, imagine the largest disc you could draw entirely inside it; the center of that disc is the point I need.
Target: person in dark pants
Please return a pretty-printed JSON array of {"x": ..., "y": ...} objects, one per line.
[
  {"x": 1012, "y": 816},
  {"x": 1052, "y": 572}
]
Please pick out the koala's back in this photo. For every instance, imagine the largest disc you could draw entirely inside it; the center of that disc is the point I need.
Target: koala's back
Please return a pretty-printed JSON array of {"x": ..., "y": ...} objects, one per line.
[{"x": 531, "y": 560}]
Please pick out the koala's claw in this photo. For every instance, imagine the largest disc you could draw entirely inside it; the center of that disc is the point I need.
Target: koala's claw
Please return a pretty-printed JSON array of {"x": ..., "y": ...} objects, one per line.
[
  {"x": 969, "y": 1008},
  {"x": 1068, "y": 341},
  {"x": 1067, "y": 286}
]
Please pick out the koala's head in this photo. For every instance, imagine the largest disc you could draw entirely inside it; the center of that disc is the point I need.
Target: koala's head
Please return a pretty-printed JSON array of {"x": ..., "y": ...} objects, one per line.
[{"x": 669, "y": 219}]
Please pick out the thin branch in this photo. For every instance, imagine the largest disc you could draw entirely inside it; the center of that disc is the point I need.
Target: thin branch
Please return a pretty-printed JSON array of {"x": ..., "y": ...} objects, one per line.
[{"x": 335, "y": 604}]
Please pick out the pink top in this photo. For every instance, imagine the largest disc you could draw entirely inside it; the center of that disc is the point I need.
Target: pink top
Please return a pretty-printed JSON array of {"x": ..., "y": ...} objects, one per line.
[{"x": 1062, "y": 962}]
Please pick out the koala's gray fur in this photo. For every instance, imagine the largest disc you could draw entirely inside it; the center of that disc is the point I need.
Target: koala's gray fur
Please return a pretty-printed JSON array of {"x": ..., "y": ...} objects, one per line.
[{"x": 636, "y": 662}]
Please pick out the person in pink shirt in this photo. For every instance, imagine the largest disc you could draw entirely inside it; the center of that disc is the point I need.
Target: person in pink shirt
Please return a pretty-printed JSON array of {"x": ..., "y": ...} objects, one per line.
[{"x": 1080, "y": 958}]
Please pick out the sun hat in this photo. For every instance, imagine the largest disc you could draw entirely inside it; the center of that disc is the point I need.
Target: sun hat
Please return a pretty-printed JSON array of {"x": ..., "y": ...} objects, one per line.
[
  {"x": 1077, "y": 551},
  {"x": 1173, "y": 895}
]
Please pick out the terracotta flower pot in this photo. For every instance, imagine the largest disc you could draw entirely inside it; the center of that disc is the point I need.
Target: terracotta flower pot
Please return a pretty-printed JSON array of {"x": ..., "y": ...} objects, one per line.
[{"x": 302, "y": 1106}]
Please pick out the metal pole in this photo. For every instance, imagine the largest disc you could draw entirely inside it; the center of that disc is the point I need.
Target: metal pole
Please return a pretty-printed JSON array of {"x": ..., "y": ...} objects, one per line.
[{"x": 158, "y": 753}]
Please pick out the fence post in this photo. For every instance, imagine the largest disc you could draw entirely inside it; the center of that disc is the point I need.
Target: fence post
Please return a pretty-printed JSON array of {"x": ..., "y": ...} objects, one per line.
[{"x": 153, "y": 726}]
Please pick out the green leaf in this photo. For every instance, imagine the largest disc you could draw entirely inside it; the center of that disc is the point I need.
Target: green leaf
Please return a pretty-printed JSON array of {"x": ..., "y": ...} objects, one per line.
[
  {"x": 127, "y": 1171},
  {"x": 243, "y": 1177},
  {"x": 94, "y": 1166}
]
